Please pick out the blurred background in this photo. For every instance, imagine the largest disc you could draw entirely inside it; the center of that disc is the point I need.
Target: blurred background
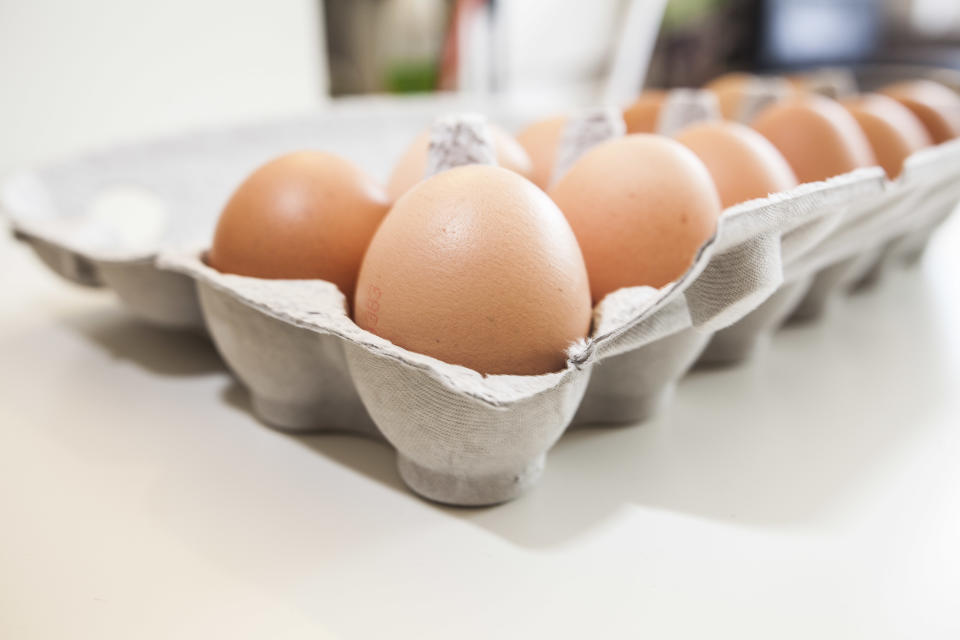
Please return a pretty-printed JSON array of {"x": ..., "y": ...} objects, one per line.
[{"x": 79, "y": 74}]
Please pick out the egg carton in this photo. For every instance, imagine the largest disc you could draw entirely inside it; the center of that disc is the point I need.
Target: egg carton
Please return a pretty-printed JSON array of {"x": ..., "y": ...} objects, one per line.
[
  {"x": 853, "y": 272},
  {"x": 892, "y": 225},
  {"x": 468, "y": 439},
  {"x": 843, "y": 251},
  {"x": 461, "y": 437}
]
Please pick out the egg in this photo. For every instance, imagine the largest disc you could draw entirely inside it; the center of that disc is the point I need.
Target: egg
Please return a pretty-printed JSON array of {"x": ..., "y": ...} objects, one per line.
[
  {"x": 892, "y": 129},
  {"x": 642, "y": 116},
  {"x": 744, "y": 165},
  {"x": 541, "y": 140},
  {"x": 641, "y": 207},
  {"x": 817, "y": 136},
  {"x": 477, "y": 267},
  {"x": 729, "y": 80},
  {"x": 740, "y": 95},
  {"x": 937, "y": 106},
  {"x": 412, "y": 166},
  {"x": 305, "y": 215}
]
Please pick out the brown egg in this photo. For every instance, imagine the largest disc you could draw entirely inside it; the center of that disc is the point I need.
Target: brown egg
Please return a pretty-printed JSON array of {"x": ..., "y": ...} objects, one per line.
[
  {"x": 642, "y": 116},
  {"x": 892, "y": 129},
  {"x": 541, "y": 141},
  {"x": 937, "y": 106},
  {"x": 730, "y": 79},
  {"x": 412, "y": 166},
  {"x": 816, "y": 135},
  {"x": 744, "y": 165},
  {"x": 476, "y": 266},
  {"x": 641, "y": 207},
  {"x": 305, "y": 215}
]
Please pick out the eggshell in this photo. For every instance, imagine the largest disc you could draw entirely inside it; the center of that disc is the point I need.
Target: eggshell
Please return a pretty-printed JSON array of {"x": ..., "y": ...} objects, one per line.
[
  {"x": 744, "y": 165},
  {"x": 476, "y": 266},
  {"x": 643, "y": 114},
  {"x": 937, "y": 106},
  {"x": 817, "y": 136},
  {"x": 305, "y": 215},
  {"x": 730, "y": 80},
  {"x": 892, "y": 129},
  {"x": 412, "y": 166},
  {"x": 541, "y": 140},
  {"x": 641, "y": 207}
]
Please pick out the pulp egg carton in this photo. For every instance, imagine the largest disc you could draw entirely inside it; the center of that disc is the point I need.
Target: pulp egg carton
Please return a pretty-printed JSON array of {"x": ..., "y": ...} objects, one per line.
[
  {"x": 461, "y": 437},
  {"x": 891, "y": 225}
]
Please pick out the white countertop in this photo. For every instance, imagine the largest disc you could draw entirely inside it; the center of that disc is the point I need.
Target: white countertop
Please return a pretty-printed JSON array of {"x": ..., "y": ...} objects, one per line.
[{"x": 812, "y": 494}]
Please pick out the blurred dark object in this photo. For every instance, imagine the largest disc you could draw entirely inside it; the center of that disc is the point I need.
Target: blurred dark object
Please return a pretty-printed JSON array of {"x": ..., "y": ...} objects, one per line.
[{"x": 701, "y": 39}]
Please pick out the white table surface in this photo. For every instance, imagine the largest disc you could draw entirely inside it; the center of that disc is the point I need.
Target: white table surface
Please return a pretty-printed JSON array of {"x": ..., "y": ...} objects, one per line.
[{"x": 812, "y": 494}]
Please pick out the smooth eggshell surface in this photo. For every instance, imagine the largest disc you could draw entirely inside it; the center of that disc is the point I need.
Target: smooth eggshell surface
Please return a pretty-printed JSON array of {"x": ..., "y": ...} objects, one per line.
[
  {"x": 892, "y": 129},
  {"x": 643, "y": 115},
  {"x": 476, "y": 266},
  {"x": 412, "y": 166},
  {"x": 305, "y": 215},
  {"x": 731, "y": 80},
  {"x": 641, "y": 207},
  {"x": 937, "y": 106},
  {"x": 541, "y": 141},
  {"x": 816, "y": 135},
  {"x": 744, "y": 165}
]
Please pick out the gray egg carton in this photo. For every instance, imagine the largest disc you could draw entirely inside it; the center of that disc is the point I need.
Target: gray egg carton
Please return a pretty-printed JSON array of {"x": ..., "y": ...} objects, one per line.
[
  {"x": 890, "y": 226},
  {"x": 461, "y": 437}
]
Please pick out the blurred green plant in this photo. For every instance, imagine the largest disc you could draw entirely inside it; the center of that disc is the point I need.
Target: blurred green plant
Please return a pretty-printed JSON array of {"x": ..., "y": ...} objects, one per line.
[
  {"x": 680, "y": 13},
  {"x": 413, "y": 76}
]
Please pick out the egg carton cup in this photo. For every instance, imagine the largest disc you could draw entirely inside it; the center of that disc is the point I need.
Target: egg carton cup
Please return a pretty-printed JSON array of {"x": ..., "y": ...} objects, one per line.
[
  {"x": 683, "y": 107},
  {"x": 848, "y": 250},
  {"x": 759, "y": 93},
  {"x": 745, "y": 338},
  {"x": 881, "y": 228}
]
